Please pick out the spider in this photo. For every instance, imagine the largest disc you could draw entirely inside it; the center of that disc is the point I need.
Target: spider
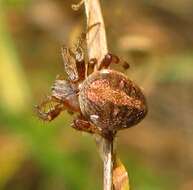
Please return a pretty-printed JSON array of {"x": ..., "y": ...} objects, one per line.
[{"x": 105, "y": 100}]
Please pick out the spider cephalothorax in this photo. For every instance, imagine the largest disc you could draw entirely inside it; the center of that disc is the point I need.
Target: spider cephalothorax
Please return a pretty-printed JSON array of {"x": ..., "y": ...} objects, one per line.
[{"x": 105, "y": 100}]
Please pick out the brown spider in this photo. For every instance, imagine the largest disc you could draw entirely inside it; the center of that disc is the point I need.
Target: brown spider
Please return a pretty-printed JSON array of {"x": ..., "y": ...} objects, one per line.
[{"x": 105, "y": 100}]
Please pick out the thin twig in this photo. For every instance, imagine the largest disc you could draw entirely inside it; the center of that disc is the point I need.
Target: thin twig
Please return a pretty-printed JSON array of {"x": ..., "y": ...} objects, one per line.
[{"x": 97, "y": 48}]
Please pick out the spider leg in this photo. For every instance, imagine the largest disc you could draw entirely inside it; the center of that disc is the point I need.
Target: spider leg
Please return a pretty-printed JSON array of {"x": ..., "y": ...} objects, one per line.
[
  {"x": 69, "y": 60},
  {"x": 91, "y": 65},
  {"x": 112, "y": 59},
  {"x": 81, "y": 124},
  {"x": 74, "y": 63},
  {"x": 74, "y": 58},
  {"x": 49, "y": 109}
]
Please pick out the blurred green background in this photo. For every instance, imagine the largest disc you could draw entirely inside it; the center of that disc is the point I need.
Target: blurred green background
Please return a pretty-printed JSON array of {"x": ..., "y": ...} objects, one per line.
[{"x": 156, "y": 37}]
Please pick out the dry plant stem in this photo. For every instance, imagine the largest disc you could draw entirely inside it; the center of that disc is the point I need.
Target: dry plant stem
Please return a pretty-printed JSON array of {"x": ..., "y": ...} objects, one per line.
[
  {"x": 96, "y": 38},
  {"x": 107, "y": 153},
  {"x": 97, "y": 48},
  {"x": 108, "y": 163}
]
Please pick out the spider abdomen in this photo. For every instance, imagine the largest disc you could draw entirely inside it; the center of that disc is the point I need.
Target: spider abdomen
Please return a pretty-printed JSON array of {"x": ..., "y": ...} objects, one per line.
[{"x": 111, "y": 101}]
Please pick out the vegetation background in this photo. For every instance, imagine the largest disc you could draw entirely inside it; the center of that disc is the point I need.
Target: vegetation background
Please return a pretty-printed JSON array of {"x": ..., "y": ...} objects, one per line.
[{"x": 156, "y": 37}]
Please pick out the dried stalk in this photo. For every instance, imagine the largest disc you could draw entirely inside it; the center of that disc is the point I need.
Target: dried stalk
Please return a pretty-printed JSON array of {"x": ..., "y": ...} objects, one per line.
[
  {"x": 97, "y": 48},
  {"x": 106, "y": 150},
  {"x": 96, "y": 38}
]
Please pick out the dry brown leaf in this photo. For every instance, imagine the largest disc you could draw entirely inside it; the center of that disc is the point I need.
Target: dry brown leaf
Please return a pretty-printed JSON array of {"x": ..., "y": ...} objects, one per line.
[{"x": 120, "y": 176}]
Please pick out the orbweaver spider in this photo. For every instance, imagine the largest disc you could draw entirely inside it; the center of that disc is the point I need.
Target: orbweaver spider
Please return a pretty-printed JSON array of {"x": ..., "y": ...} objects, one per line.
[{"x": 105, "y": 99}]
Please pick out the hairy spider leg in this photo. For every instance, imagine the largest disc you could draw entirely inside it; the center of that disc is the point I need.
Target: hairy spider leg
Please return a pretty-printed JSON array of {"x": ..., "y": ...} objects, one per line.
[
  {"x": 91, "y": 65},
  {"x": 112, "y": 59},
  {"x": 63, "y": 97},
  {"x": 80, "y": 49},
  {"x": 69, "y": 59},
  {"x": 74, "y": 62},
  {"x": 74, "y": 58},
  {"x": 52, "y": 112},
  {"x": 81, "y": 124}
]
